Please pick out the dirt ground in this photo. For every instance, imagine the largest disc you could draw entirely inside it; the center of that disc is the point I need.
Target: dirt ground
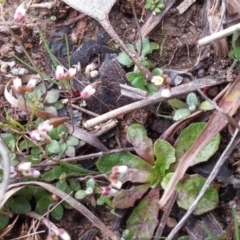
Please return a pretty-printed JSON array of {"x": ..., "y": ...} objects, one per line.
[{"x": 177, "y": 34}]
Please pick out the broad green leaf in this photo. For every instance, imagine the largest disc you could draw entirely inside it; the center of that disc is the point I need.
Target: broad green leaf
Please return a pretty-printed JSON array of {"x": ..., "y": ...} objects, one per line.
[
  {"x": 143, "y": 145},
  {"x": 124, "y": 59},
  {"x": 53, "y": 147},
  {"x": 57, "y": 212},
  {"x": 104, "y": 199},
  {"x": 52, "y": 96},
  {"x": 147, "y": 63},
  {"x": 63, "y": 185},
  {"x": 188, "y": 136},
  {"x": 36, "y": 151},
  {"x": 105, "y": 163},
  {"x": 74, "y": 185},
  {"x": 62, "y": 131},
  {"x": 140, "y": 82},
  {"x": 137, "y": 176},
  {"x": 81, "y": 194},
  {"x": 166, "y": 180},
  {"x": 10, "y": 140},
  {"x": 70, "y": 151},
  {"x": 181, "y": 114},
  {"x": 127, "y": 198},
  {"x": 43, "y": 204},
  {"x": 157, "y": 72},
  {"x": 206, "y": 105},
  {"x": 25, "y": 192},
  {"x": 38, "y": 192},
  {"x": 4, "y": 220},
  {"x": 189, "y": 190},
  {"x": 75, "y": 169},
  {"x": 192, "y": 101},
  {"x": 144, "y": 47},
  {"x": 144, "y": 217},
  {"x": 19, "y": 205},
  {"x": 165, "y": 154},
  {"x": 51, "y": 110},
  {"x": 131, "y": 76},
  {"x": 176, "y": 103},
  {"x": 53, "y": 174},
  {"x": 90, "y": 183},
  {"x": 151, "y": 88},
  {"x": 72, "y": 141},
  {"x": 127, "y": 234}
]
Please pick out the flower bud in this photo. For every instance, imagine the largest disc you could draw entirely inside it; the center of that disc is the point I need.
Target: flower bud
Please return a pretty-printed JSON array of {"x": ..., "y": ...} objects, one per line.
[
  {"x": 116, "y": 184},
  {"x": 119, "y": 169},
  {"x": 20, "y": 13},
  {"x": 109, "y": 191}
]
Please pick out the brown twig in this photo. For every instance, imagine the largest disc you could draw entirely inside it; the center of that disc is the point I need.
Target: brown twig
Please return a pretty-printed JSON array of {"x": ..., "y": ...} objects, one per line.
[{"x": 155, "y": 98}]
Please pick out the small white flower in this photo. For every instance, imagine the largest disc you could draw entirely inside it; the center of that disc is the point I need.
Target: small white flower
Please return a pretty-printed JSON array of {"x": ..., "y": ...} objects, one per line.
[
  {"x": 116, "y": 184},
  {"x": 72, "y": 72},
  {"x": 63, "y": 234},
  {"x": 87, "y": 92},
  {"x": 109, "y": 191},
  {"x": 32, "y": 83},
  {"x": 34, "y": 135},
  {"x": 24, "y": 166},
  {"x": 157, "y": 80},
  {"x": 31, "y": 173},
  {"x": 165, "y": 92},
  {"x": 45, "y": 126},
  {"x": 20, "y": 13},
  {"x": 17, "y": 84},
  {"x": 59, "y": 72},
  {"x": 120, "y": 169}
]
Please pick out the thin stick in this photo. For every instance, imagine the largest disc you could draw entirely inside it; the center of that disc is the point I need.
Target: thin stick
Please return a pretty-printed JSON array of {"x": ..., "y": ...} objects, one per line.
[
  {"x": 155, "y": 98},
  {"x": 232, "y": 144},
  {"x": 218, "y": 35}
]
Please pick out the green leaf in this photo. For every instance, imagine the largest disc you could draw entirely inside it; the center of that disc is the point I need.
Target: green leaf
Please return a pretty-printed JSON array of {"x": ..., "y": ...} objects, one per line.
[
  {"x": 145, "y": 46},
  {"x": 206, "y": 105},
  {"x": 74, "y": 185},
  {"x": 127, "y": 234},
  {"x": 140, "y": 82},
  {"x": 51, "y": 110},
  {"x": 143, "y": 145},
  {"x": 36, "y": 151},
  {"x": 90, "y": 183},
  {"x": 19, "y": 205},
  {"x": 38, "y": 192},
  {"x": 43, "y": 204},
  {"x": 70, "y": 151},
  {"x": 25, "y": 192},
  {"x": 4, "y": 220},
  {"x": 53, "y": 147},
  {"x": 166, "y": 180},
  {"x": 53, "y": 174},
  {"x": 144, "y": 217},
  {"x": 189, "y": 190},
  {"x": 63, "y": 185},
  {"x": 105, "y": 163},
  {"x": 181, "y": 114},
  {"x": 72, "y": 141},
  {"x": 151, "y": 88},
  {"x": 165, "y": 154},
  {"x": 131, "y": 76},
  {"x": 10, "y": 140},
  {"x": 127, "y": 198},
  {"x": 192, "y": 101},
  {"x": 124, "y": 59},
  {"x": 187, "y": 138},
  {"x": 52, "y": 96},
  {"x": 62, "y": 131},
  {"x": 75, "y": 169},
  {"x": 176, "y": 103},
  {"x": 57, "y": 212},
  {"x": 157, "y": 71},
  {"x": 81, "y": 194}
]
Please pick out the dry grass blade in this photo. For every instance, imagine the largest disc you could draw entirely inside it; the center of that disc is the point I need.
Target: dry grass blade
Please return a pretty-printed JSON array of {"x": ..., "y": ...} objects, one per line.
[
  {"x": 74, "y": 203},
  {"x": 5, "y": 165},
  {"x": 229, "y": 104}
]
